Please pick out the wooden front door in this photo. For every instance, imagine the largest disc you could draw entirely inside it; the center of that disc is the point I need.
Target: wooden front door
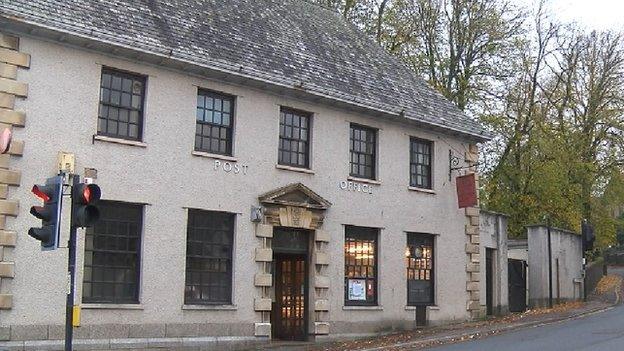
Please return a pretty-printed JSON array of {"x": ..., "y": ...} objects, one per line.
[{"x": 291, "y": 286}]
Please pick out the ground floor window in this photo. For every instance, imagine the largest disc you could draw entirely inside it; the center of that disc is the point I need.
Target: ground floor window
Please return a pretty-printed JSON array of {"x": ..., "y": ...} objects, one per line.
[
  {"x": 112, "y": 254},
  {"x": 419, "y": 265},
  {"x": 210, "y": 236},
  {"x": 361, "y": 265}
]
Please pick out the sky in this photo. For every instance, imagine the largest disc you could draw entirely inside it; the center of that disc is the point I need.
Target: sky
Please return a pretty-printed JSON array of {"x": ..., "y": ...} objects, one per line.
[{"x": 591, "y": 14}]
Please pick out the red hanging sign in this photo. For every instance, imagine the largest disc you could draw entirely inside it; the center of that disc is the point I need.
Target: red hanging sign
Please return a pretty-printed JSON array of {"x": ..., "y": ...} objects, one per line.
[{"x": 466, "y": 191}]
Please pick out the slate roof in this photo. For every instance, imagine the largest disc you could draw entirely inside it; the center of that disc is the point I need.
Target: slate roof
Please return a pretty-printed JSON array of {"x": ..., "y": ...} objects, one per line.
[{"x": 286, "y": 42}]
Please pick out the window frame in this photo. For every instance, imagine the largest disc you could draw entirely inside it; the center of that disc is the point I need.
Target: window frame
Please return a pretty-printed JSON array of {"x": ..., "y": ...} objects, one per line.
[
  {"x": 423, "y": 239},
  {"x": 375, "y": 133},
  {"x": 413, "y": 163},
  {"x": 229, "y": 149},
  {"x": 139, "y": 256},
  {"x": 230, "y": 265},
  {"x": 141, "y": 110},
  {"x": 364, "y": 235},
  {"x": 308, "y": 142}
]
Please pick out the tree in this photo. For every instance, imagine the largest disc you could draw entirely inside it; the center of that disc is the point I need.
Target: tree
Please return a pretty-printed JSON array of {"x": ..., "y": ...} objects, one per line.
[
  {"x": 463, "y": 46},
  {"x": 552, "y": 94}
]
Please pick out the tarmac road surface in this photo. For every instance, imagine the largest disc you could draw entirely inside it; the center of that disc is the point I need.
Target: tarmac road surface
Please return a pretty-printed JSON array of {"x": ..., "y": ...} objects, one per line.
[{"x": 601, "y": 331}]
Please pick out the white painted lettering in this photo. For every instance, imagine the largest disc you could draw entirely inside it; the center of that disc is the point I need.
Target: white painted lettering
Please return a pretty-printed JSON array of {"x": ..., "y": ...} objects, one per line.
[
  {"x": 229, "y": 167},
  {"x": 355, "y": 186}
]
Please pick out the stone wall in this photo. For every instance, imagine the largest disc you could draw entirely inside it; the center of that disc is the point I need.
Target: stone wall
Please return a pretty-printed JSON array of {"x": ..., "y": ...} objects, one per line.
[
  {"x": 11, "y": 61},
  {"x": 473, "y": 266}
]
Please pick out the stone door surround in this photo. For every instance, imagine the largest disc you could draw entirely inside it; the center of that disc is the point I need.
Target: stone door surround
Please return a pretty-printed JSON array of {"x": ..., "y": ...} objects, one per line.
[{"x": 294, "y": 206}]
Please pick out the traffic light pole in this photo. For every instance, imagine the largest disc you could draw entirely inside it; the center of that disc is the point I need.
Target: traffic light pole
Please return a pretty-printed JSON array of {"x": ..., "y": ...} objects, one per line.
[{"x": 71, "y": 272}]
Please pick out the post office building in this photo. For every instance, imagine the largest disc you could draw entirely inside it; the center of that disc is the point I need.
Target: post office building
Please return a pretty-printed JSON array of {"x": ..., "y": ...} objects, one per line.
[{"x": 267, "y": 172}]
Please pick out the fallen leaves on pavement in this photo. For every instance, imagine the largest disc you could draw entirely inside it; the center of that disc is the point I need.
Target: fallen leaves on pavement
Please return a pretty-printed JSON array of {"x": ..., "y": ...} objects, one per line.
[{"x": 608, "y": 283}]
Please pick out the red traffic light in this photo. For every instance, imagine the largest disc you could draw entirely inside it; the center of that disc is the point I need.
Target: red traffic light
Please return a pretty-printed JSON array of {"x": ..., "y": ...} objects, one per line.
[
  {"x": 87, "y": 193},
  {"x": 50, "y": 213},
  {"x": 84, "y": 209},
  {"x": 41, "y": 191}
]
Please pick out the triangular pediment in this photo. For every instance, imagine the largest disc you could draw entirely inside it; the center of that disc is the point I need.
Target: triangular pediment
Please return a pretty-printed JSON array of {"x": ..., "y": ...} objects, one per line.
[{"x": 295, "y": 194}]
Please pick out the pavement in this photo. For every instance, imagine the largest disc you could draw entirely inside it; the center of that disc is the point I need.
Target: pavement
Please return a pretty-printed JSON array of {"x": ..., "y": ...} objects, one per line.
[{"x": 595, "y": 325}]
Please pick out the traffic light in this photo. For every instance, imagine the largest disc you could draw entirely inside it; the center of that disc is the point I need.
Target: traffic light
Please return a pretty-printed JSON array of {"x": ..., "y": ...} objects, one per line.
[
  {"x": 50, "y": 213},
  {"x": 84, "y": 199},
  {"x": 588, "y": 236}
]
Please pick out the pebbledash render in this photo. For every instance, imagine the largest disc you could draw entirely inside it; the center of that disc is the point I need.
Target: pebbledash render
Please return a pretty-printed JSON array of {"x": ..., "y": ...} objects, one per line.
[{"x": 267, "y": 173}]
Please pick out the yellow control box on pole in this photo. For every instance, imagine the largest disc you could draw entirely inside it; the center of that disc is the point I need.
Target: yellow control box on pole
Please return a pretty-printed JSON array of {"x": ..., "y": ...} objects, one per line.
[{"x": 76, "y": 316}]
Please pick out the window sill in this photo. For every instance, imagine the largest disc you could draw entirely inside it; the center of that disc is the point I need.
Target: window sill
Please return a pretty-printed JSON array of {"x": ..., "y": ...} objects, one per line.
[
  {"x": 429, "y": 307},
  {"x": 294, "y": 169},
  {"x": 364, "y": 180},
  {"x": 111, "y": 306},
  {"x": 421, "y": 190},
  {"x": 209, "y": 307},
  {"x": 119, "y": 141},
  {"x": 215, "y": 156},
  {"x": 362, "y": 308}
]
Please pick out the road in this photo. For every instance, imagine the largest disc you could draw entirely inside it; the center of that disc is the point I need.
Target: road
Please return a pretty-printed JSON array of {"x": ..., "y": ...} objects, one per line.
[{"x": 603, "y": 331}]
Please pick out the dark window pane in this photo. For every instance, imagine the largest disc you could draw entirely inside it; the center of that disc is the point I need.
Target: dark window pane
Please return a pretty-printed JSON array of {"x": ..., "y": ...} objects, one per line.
[
  {"x": 116, "y": 85},
  {"x": 360, "y": 265},
  {"x": 209, "y": 257},
  {"x": 106, "y": 80},
  {"x": 110, "y": 259},
  {"x": 363, "y": 151},
  {"x": 121, "y": 99},
  {"x": 104, "y": 95},
  {"x": 214, "y": 114},
  {"x": 293, "y": 140},
  {"x": 126, "y": 85},
  {"x": 115, "y": 97},
  {"x": 123, "y": 115},
  {"x": 420, "y": 163}
]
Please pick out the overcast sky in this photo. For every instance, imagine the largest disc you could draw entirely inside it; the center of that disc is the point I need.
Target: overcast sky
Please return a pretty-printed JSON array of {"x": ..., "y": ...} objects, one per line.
[{"x": 592, "y": 14}]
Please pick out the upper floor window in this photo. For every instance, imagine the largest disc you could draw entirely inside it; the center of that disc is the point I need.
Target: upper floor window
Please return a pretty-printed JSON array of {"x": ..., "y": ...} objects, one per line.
[
  {"x": 363, "y": 146},
  {"x": 215, "y": 118},
  {"x": 419, "y": 265},
  {"x": 112, "y": 254},
  {"x": 122, "y": 96},
  {"x": 360, "y": 265},
  {"x": 294, "y": 138},
  {"x": 209, "y": 241},
  {"x": 420, "y": 163}
]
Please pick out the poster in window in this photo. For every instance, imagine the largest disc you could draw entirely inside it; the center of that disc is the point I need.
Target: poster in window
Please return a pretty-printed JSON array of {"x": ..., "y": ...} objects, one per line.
[{"x": 357, "y": 289}]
